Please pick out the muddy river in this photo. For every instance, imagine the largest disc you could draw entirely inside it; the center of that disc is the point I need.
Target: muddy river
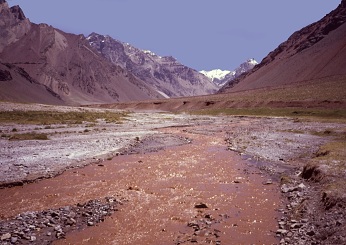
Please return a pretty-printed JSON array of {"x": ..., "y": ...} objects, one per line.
[{"x": 195, "y": 193}]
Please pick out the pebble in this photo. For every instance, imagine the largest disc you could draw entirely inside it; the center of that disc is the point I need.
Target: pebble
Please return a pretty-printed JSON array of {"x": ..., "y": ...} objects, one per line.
[
  {"x": 285, "y": 188},
  {"x": 300, "y": 187},
  {"x": 6, "y": 236},
  {"x": 296, "y": 225},
  {"x": 14, "y": 239},
  {"x": 268, "y": 182},
  {"x": 282, "y": 225},
  {"x": 201, "y": 205},
  {"x": 58, "y": 228},
  {"x": 281, "y": 231}
]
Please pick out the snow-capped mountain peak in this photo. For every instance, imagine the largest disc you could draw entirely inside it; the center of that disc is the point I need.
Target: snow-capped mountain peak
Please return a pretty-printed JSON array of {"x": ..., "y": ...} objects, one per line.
[
  {"x": 165, "y": 74},
  {"x": 252, "y": 62},
  {"x": 215, "y": 74},
  {"x": 220, "y": 77}
]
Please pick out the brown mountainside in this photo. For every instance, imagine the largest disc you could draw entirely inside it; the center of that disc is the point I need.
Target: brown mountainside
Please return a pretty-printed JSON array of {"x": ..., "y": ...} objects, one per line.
[
  {"x": 63, "y": 63},
  {"x": 316, "y": 53},
  {"x": 164, "y": 74},
  {"x": 17, "y": 85}
]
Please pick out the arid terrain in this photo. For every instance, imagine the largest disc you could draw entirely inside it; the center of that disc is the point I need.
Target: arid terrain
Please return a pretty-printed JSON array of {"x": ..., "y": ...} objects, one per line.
[
  {"x": 261, "y": 161},
  {"x": 116, "y": 177}
]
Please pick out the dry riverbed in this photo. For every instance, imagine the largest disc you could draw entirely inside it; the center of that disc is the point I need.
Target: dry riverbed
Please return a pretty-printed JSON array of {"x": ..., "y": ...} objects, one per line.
[
  {"x": 158, "y": 178},
  {"x": 72, "y": 145}
]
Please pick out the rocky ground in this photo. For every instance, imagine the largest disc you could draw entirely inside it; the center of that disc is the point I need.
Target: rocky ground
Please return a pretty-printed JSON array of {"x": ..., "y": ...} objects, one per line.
[
  {"x": 275, "y": 152},
  {"x": 315, "y": 212},
  {"x": 49, "y": 225},
  {"x": 75, "y": 145}
]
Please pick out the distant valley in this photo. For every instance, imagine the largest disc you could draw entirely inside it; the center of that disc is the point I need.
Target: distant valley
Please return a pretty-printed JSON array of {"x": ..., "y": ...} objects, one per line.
[
  {"x": 94, "y": 127},
  {"x": 42, "y": 64}
]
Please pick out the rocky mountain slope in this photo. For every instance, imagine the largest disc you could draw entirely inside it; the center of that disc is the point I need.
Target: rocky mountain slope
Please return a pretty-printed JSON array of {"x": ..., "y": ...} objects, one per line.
[
  {"x": 315, "y": 54},
  {"x": 58, "y": 68},
  {"x": 164, "y": 74},
  {"x": 220, "y": 78},
  {"x": 17, "y": 85}
]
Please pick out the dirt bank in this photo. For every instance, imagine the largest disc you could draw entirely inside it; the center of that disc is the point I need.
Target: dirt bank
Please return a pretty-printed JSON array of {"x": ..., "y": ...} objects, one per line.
[{"x": 308, "y": 158}]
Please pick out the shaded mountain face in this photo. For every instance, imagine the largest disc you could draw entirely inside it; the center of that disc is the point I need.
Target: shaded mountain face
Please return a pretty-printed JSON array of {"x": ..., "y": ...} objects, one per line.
[
  {"x": 315, "y": 53},
  {"x": 65, "y": 64},
  {"x": 165, "y": 74},
  {"x": 220, "y": 78},
  {"x": 17, "y": 85}
]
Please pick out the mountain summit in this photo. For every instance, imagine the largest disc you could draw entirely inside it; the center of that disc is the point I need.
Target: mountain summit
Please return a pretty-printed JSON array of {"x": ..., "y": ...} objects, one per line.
[
  {"x": 13, "y": 24},
  {"x": 220, "y": 77},
  {"x": 165, "y": 74}
]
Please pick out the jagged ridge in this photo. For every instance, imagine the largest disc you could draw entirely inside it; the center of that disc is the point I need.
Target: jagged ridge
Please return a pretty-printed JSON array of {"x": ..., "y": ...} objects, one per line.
[
  {"x": 164, "y": 74},
  {"x": 64, "y": 63}
]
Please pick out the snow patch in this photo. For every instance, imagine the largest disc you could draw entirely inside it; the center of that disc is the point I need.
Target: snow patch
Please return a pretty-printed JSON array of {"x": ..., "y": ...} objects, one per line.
[
  {"x": 151, "y": 53},
  {"x": 252, "y": 61},
  {"x": 163, "y": 94},
  {"x": 215, "y": 74}
]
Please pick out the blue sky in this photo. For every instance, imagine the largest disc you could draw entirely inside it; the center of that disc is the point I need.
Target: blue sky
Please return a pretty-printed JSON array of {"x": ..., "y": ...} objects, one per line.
[{"x": 202, "y": 34}]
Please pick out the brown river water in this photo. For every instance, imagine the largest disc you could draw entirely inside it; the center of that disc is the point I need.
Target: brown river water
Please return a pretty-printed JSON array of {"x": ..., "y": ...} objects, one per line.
[{"x": 159, "y": 192}]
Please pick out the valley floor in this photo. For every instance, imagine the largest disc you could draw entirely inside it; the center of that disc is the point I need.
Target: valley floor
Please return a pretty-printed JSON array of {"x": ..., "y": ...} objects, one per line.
[{"x": 158, "y": 178}]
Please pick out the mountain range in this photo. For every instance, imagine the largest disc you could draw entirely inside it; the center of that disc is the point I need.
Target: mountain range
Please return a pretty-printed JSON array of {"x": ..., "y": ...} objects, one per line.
[
  {"x": 42, "y": 64},
  {"x": 165, "y": 74},
  {"x": 220, "y": 77},
  {"x": 59, "y": 68},
  {"x": 306, "y": 71}
]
